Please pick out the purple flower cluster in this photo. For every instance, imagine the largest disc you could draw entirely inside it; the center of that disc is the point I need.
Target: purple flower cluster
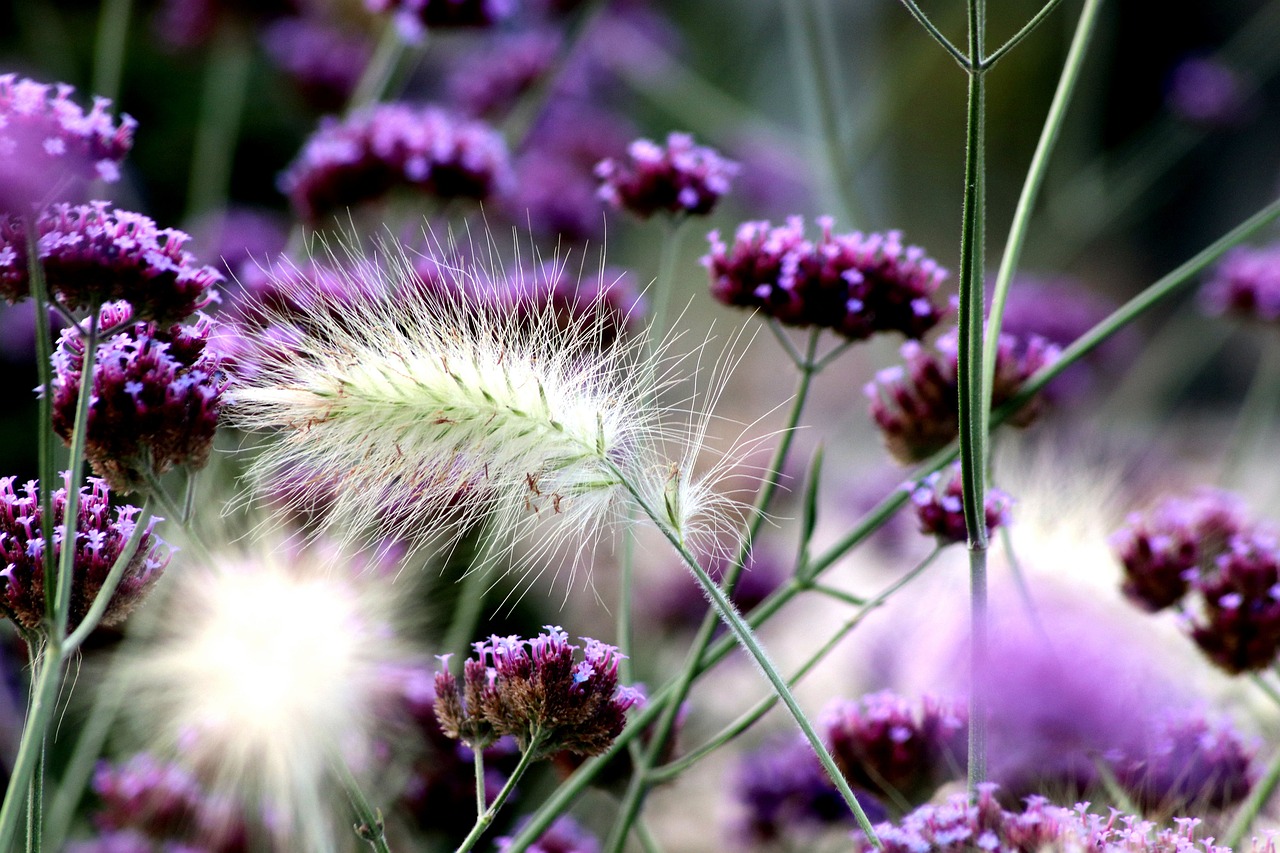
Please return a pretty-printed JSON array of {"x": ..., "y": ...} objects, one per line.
[
  {"x": 490, "y": 84},
  {"x": 564, "y": 835},
  {"x": 678, "y": 178},
  {"x": 378, "y": 149},
  {"x": 324, "y": 61},
  {"x": 47, "y": 140},
  {"x": 150, "y": 805},
  {"x": 414, "y": 17},
  {"x": 783, "y": 790},
  {"x": 958, "y": 826},
  {"x": 93, "y": 254},
  {"x": 155, "y": 399},
  {"x": 1188, "y": 761},
  {"x": 1206, "y": 92},
  {"x": 894, "y": 748},
  {"x": 854, "y": 284},
  {"x": 1246, "y": 284},
  {"x": 535, "y": 691},
  {"x": 939, "y": 505},
  {"x": 917, "y": 407},
  {"x": 1166, "y": 548},
  {"x": 1238, "y": 626},
  {"x": 101, "y": 535}
]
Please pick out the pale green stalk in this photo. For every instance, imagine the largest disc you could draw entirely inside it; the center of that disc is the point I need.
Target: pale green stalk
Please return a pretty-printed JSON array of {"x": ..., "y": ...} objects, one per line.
[
  {"x": 377, "y": 75},
  {"x": 369, "y": 826},
  {"x": 673, "y": 229},
  {"x": 484, "y": 821},
  {"x": 1249, "y": 809},
  {"x": 222, "y": 99},
  {"x": 99, "y": 607},
  {"x": 108, "y": 51},
  {"x": 1257, "y": 413}
]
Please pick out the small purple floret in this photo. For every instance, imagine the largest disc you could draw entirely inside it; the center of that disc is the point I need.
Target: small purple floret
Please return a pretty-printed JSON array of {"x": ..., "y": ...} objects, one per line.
[
  {"x": 1246, "y": 285},
  {"x": 678, "y": 178},
  {"x": 939, "y": 505}
]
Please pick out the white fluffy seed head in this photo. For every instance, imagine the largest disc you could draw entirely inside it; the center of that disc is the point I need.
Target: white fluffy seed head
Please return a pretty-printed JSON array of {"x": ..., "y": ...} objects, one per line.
[
  {"x": 418, "y": 411},
  {"x": 269, "y": 668}
]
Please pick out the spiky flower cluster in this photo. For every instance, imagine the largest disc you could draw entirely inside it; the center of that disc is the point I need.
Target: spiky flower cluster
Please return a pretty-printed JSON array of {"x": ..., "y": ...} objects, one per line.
[
  {"x": 854, "y": 284},
  {"x": 1245, "y": 284},
  {"x": 939, "y": 506},
  {"x": 428, "y": 409},
  {"x": 1189, "y": 760},
  {"x": 678, "y": 178},
  {"x": 1164, "y": 549},
  {"x": 47, "y": 140},
  {"x": 895, "y": 748},
  {"x": 917, "y": 407},
  {"x": 101, "y": 535},
  {"x": 414, "y": 17},
  {"x": 957, "y": 826},
  {"x": 155, "y": 399},
  {"x": 539, "y": 693},
  {"x": 388, "y": 146},
  {"x": 94, "y": 253}
]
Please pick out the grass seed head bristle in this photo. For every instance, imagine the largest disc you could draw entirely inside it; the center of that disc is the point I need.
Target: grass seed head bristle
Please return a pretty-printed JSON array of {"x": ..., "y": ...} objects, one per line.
[{"x": 422, "y": 410}]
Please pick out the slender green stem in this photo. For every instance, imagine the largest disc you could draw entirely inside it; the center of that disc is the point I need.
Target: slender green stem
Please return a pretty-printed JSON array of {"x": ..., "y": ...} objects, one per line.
[
  {"x": 1031, "y": 186},
  {"x": 923, "y": 20},
  {"x": 108, "y": 50},
  {"x": 45, "y": 438},
  {"x": 381, "y": 68},
  {"x": 1257, "y": 413},
  {"x": 369, "y": 824},
  {"x": 478, "y": 763},
  {"x": 646, "y": 838},
  {"x": 1249, "y": 809},
  {"x": 1017, "y": 37},
  {"x": 226, "y": 83},
  {"x": 673, "y": 230},
  {"x": 1272, "y": 693},
  {"x": 747, "y": 639},
  {"x": 486, "y": 819},
  {"x": 626, "y": 584},
  {"x": 35, "y": 807},
  {"x": 109, "y": 584},
  {"x": 158, "y": 493}
]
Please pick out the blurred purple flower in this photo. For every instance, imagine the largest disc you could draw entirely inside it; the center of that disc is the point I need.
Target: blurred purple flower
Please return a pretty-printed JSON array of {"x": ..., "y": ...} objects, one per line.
[
  {"x": 489, "y": 84},
  {"x": 939, "y": 506},
  {"x": 323, "y": 60},
  {"x": 185, "y": 24},
  {"x": 100, "y": 537},
  {"x": 93, "y": 254},
  {"x": 48, "y": 142},
  {"x": 375, "y": 150},
  {"x": 678, "y": 604},
  {"x": 1246, "y": 284},
  {"x": 1202, "y": 90},
  {"x": 564, "y": 835},
  {"x": 415, "y": 17},
  {"x": 679, "y": 178},
  {"x": 155, "y": 400},
  {"x": 1238, "y": 626},
  {"x": 235, "y": 238}
]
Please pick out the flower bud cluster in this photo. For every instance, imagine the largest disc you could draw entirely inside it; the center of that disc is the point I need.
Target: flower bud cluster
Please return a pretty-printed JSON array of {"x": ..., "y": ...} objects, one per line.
[
  {"x": 535, "y": 691},
  {"x": 388, "y": 146},
  {"x": 917, "y": 407},
  {"x": 679, "y": 178},
  {"x": 93, "y": 253},
  {"x": 1238, "y": 626},
  {"x": 854, "y": 284},
  {"x": 891, "y": 747},
  {"x": 101, "y": 535},
  {"x": 155, "y": 399},
  {"x": 939, "y": 505}
]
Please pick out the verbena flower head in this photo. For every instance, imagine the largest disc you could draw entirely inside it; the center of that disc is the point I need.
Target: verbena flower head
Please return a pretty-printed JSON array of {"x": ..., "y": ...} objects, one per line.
[
  {"x": 1164, "y": 549},
  {"x": 156, "y": 396},
  {"x": 917, "y": 407},
  {"x": 322, "y": 60},
  {"x": 958, "y": 826},
  {"x": 1238, "y": 623},
  {"x": 939, "y": 506},
  {"x": 490, "y": 84},
  {"x": 564, "y": 835},
  {"x": 418, "y": 400},
  {"x": 783, "y": 792},
  {"x": 388, "y": 146},
  {"x": 415, "y": 17},
  {"x": 101, "y": 533},
  {"x": 855, "y": 284},
  {"x": 538, "y": 692},
  {"x": 678, "y": 178},
  {"x": 899, "y": 750},
  {"x": 1246, "y": 284},
  {"x": 1205, "y": 91},
  {"x": 1189, "y": 761},
  {"x": 94, "y": 253},
  {"x": 48, "y": 141},
  {"x": 269, "y": 667}
]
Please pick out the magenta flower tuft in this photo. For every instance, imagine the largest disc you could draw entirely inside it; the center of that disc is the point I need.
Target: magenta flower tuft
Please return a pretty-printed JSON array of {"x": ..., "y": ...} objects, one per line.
[
  {"x": 100, "y": 537},
  {"x": 155, "y": 400},
  {"x": 1238, "y": 627},
  {"x": 535, "y": 691},
  {"x": 414, "y": 17},
  {"x": 1165, "y": 549},
  {"x": 854, "y": 284},
  {"x": 680, "y": 178},
  {"x": 1246, "y": 284},
  {"x": 46, "y": 141},
  {"x": 939, "y": 505},
  {"x": 891, "y": 747},
  {"x": 93, "y": 254},
  {"x": 378, "y": 149},
  {"x": 917, "y": 407}
]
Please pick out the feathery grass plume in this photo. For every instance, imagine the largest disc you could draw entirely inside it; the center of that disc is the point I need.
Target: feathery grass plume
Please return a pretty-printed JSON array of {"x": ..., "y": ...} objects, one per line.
[
  {"x": 271, "y": 670},
  {"x": 426, "y": 411}
]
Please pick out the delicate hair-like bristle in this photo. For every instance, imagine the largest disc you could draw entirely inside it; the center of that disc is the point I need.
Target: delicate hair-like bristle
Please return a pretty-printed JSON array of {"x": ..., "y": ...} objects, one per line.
[{"x": 419, "y": 410}]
